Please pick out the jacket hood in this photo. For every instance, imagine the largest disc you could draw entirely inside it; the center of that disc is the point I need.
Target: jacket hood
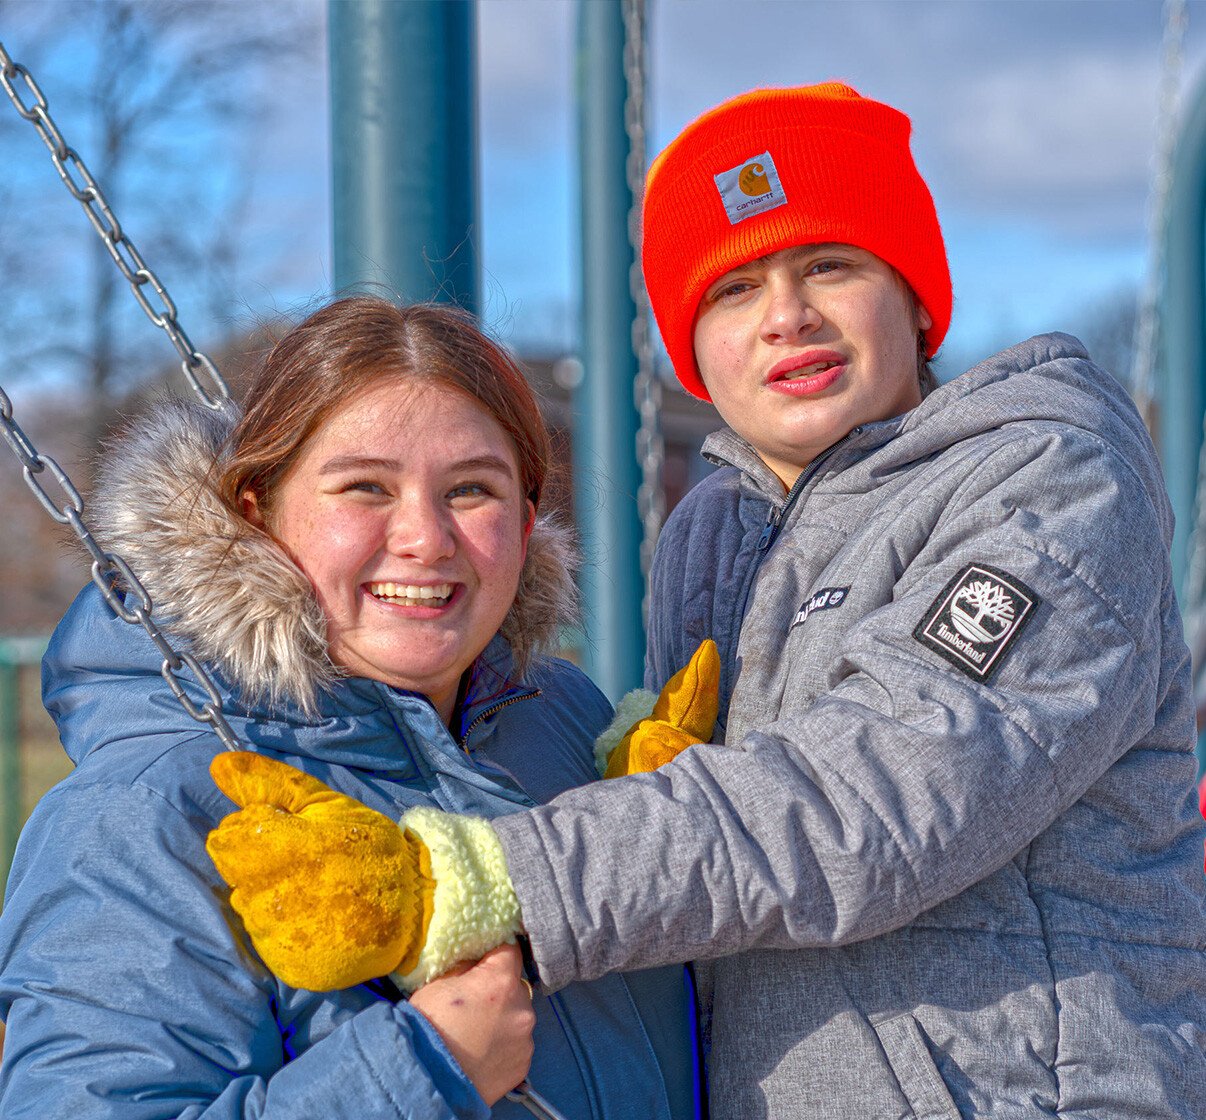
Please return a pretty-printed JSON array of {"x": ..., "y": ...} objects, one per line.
[
  {"x": 1048, "y": 378},
  {"x": 230, "y": 592}
]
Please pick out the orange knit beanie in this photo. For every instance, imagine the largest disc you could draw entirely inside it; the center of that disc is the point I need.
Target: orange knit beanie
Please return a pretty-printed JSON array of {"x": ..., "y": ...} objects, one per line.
[{"x": 781, "y": 167}]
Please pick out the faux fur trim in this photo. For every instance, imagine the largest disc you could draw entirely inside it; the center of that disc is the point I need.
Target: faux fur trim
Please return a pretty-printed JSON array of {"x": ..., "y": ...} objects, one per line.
[
  {"x": 230, "y": 592},
  {"x": 547, "y": 599}
]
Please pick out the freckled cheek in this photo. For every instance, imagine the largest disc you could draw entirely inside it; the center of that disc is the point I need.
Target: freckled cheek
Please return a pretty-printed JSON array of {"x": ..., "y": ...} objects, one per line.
[
  {"x": 332, "y": 551},
  {"x": 494, "y": 546}
]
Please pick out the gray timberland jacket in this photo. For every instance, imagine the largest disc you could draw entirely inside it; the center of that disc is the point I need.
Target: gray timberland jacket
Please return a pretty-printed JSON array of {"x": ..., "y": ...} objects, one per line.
[{"x": 948, "y": 862}]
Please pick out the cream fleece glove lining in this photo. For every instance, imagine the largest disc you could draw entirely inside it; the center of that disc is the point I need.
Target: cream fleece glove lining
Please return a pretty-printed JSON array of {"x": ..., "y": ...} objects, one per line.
[
  {"x": 633, "y": 706},
  {"x": 475, "y": 908}
]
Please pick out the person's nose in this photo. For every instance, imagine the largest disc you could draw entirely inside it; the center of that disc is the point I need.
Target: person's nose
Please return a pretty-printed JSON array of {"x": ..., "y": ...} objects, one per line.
[
  {"x": 421, "y": 529},
  {"x": 788, "y": 314}
]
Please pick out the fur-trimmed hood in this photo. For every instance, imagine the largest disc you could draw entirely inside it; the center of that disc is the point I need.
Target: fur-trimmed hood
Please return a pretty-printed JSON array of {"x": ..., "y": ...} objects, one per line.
[{"x": 230, "y": 592}]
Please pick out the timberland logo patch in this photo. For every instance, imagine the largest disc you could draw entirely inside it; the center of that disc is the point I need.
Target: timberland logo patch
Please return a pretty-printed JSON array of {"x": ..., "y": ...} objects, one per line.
[
  {"x": 977, "y": 618},
  {"x": 752, "y": 187},
  {"x": 824, "y": 600}
]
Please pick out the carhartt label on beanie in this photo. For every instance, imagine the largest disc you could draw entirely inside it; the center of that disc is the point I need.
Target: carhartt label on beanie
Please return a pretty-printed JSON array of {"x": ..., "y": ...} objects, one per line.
[{"x": 752, "y": 187}]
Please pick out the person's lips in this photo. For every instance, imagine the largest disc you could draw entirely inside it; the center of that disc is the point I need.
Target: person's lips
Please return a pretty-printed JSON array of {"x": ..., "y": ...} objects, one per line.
[{"x": 808, "y": 372}]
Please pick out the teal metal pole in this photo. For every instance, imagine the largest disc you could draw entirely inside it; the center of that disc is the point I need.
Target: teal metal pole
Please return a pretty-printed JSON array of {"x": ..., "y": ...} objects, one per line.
[
  {"x": 606, "y": 472},
  {"x": 1182, "y": 317},
  {"x": 404, "y": 148}
]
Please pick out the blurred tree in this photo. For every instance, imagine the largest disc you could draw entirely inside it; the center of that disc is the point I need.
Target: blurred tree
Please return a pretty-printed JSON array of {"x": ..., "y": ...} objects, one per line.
[{"x": 166, "y": 102}]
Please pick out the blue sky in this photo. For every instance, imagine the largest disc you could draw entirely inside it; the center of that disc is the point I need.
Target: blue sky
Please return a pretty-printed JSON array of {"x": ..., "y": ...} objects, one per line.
[{"x": 1034, "y": 122}]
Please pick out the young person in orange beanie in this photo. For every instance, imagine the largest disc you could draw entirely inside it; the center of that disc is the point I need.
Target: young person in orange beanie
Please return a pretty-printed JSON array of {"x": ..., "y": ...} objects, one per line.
[{"x": 942, "y": 857}]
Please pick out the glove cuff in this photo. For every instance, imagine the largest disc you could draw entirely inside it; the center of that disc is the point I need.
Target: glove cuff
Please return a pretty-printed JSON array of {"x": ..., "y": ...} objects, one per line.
[
  {"x": 633, "y": 707},
  {"x": 474, "y": 908}
]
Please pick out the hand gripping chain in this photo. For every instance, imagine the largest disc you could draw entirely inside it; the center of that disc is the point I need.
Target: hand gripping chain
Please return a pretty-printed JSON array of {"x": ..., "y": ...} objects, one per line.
[{"x": 537, "y": 1105}]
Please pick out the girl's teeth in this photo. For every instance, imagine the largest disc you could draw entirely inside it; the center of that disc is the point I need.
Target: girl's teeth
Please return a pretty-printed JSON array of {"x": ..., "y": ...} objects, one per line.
[{"x": 412, "y": 594}]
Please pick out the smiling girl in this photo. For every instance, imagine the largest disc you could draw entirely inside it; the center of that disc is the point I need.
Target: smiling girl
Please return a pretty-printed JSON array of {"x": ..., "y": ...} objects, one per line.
[{"x": 360, "y": 562}]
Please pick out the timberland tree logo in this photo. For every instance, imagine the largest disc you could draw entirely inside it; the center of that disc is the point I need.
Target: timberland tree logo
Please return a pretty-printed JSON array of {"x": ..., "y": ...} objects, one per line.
[
  {"x": 752, "y": 187},
  {"x": 977, "y": 618}
]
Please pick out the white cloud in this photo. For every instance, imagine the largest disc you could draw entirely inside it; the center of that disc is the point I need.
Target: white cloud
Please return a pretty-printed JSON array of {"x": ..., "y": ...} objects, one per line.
[{"x": 1074, "y": 145}]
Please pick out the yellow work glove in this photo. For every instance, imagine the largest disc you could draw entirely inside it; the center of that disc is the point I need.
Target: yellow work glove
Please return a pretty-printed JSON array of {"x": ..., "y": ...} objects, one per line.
[
  {"x": 333, "y": 893},
  {"x": 684, "y": 714}
]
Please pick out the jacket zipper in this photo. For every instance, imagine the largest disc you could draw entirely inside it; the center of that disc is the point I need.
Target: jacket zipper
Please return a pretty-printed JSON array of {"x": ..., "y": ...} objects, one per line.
[
  {"x": 776, "y": 516},
  {"x": 774, "y": 519},
  {"x": 464, "y": 744}
]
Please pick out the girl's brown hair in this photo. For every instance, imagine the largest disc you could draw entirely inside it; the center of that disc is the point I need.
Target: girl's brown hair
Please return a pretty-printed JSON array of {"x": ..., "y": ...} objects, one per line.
[{"x": 352, "y": 345}]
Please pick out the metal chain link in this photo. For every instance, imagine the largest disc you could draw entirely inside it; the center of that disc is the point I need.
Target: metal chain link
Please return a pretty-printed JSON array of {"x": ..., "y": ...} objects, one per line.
[
  {"x": 647, "y": 389},
  {"x": 109, "y": 570},
  {"x": 201, "y": 372}
]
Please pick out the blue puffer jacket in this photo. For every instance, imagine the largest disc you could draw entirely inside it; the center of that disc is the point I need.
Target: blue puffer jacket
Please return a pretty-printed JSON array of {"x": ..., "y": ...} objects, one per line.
[{"x": 128, "y": 985}]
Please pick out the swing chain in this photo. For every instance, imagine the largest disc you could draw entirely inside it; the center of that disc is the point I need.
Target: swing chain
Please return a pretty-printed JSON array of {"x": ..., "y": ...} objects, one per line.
[
  {"x": 647, "y": 389},
  {"x": 201, "y": 372},
  {"x": 109, "y": 570}
]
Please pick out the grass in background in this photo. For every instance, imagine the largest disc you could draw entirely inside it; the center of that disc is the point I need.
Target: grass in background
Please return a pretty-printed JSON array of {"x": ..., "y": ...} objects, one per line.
[{"x": 43, "y": 760}]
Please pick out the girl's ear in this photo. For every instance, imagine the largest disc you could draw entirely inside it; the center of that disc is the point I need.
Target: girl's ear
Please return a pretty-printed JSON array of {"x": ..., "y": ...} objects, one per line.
[{"x": 249, "y": 507}]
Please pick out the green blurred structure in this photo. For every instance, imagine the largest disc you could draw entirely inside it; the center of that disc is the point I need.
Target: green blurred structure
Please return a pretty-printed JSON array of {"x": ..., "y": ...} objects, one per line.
[
  {"x": 607, "y": 475},
  {"x": 404, "y": 148},
  {"x": 15, "y": 653},
  {"x": 1181, "y": 365}
]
